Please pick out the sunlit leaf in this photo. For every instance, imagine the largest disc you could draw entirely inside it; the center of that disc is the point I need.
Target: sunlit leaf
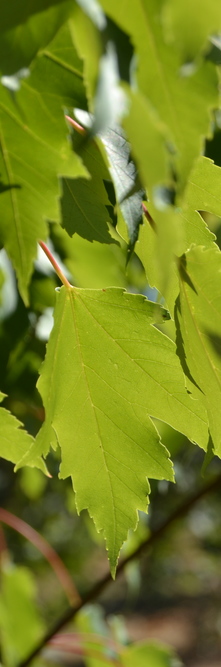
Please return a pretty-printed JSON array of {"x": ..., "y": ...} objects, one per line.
[
  {"x": 88, "y": 42},
  {"x": 189, "y": 24},
  {"x": 107, "y": 367},
  {"x": 14, "y": 440},
  {"x": 182, "y": 100},
  {"x": 84, "y": 202},
  {"x": 34, "y": 150}
]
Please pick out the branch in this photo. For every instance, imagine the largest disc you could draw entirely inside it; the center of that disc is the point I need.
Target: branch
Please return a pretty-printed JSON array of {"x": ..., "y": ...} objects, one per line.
[
  {"x": 47, "y": 551},
  {"x": 107, "y": 579},
  {"x": 149, "y": 217}
]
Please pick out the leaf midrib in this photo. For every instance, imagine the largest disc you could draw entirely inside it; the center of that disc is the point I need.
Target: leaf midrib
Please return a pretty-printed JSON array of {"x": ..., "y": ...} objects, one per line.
[{"x": 71, "y": 301}]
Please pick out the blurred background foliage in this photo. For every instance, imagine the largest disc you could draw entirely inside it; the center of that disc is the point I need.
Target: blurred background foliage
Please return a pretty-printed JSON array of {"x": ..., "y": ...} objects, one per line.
[{"x": 174, "y": 593}]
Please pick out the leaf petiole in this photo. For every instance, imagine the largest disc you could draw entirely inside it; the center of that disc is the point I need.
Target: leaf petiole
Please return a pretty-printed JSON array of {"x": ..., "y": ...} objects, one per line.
[
  {"x": 55, "y": 265},
  {"x": 76, "y": 125}
]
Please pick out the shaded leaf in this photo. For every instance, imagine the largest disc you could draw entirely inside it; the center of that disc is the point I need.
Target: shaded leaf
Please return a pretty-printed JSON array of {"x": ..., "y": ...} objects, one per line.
[
  {"x": 199, "y": 326},
  {"x": 84, "y": 202},
  {"x": 189, "y": 24},
  {"x": 27, "y": 27},
  {"x": 34, "y": 149},
  {"x": 94, "y": 264},
  {"x": 175, "y": 229},
  {"x": 87, "y": 40}
]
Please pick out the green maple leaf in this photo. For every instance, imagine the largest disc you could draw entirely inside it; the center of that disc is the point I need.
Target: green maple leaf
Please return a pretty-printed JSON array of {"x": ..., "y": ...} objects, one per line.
[
  {"x": 34, "y": 150},
  {"x": 180, "y": 20},
  {"x": 199, "y": 327},
  {"x": 15, "y": 442},
  {"x": 175, "y": 229},
  {"x": 182, "y": 101},
  {"x": 107, "y": 368},
  {"x": 128, "y": 190},
  {"x": 88, "y": 41},
  {"x": 27, "y": 27},
  {"x": 84, "y": 202}
]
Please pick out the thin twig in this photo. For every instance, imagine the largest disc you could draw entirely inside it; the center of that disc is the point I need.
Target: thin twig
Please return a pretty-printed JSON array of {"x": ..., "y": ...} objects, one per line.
[
  {"x": 47, "y": 551},
  {"x": 149, "y": 217},
  {"x": 79, "y": 129},
  {"x": 55, "y": 265},
  {"x": 107, "y": 579}
]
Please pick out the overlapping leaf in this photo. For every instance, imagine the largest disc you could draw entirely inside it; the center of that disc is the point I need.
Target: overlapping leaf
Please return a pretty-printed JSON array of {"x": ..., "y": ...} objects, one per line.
[
  {"x": 203, "y": 188},
  {"x": 199, "y": 327},
  {"x": 88, "y": 42},
  {"x": 84, "y": 203},
  {"x": 27, "y": 27},
  {"x": 15, "y": 442},
  {"x": 182, "y": 102},
  {"x": 106, "y": 369},
  {"x": 174, "y": 230},
  {"x": 34, "y": 149},
  {"x": 95, "y": 264}
]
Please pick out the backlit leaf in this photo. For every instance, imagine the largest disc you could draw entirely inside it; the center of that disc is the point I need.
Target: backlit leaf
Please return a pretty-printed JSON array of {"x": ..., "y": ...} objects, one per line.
[
  {"x": 87, "y": 40},
  {"x": 15, "y": 442},
  {"x": 182, "y": 100},
  {"x": 34, "y": 150},
  {"x": 107, "y": 367},
  {"x": 172, "y": 231}
]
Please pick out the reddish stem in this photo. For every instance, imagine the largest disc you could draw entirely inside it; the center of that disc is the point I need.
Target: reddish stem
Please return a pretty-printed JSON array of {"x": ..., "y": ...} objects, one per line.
[
  {"x": 149, "y": 217},
  {"x": 47, "y": 551},
  {"x": 55, "y": 265},
  {"x": 76, "y": 125},
  {"x": 71, "y": 638},
  {"x": 79, "y": 649}
]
